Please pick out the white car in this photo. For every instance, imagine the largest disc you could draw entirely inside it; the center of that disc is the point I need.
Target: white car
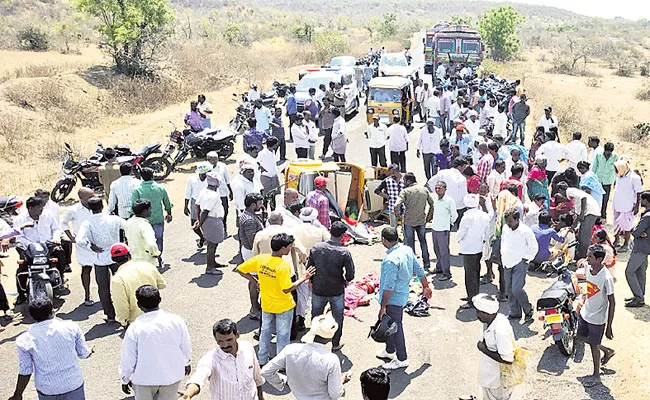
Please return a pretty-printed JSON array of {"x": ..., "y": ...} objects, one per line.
[
  {"x": 395, "y": 64},
  {"x": 315, "y": 79},
  {"x": 342, "y": 61}
]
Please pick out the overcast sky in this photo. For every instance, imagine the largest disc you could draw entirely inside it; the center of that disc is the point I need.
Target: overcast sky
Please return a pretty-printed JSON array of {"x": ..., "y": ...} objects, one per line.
[{"x": 632, "y": 9}]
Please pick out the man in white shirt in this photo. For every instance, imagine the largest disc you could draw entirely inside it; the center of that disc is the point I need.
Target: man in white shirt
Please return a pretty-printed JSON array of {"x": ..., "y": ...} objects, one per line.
[
  {"x": 500, "y": 122},
  {"x": 465, "y": 71},
  {"x": 576, "y": 151},
  {"x": 225, "y": 190},
  {"x": 262, "y": 116},
  {"x": 377, "y": 135},
  {"x": 243, "y": 185},
  {"x": 496, "y": 176},
  {"x": 554, "y": 153},
  {"x": 548, "y": 120},
  {"x": 312, "y": 371},
  {"x": 312, "y": 134},
  {"x": 429, "y": 146},
  {"x": 76, "y": 215},
  {"x": 300, "y": 137},
  {"x": 195, "y": 184},
  {"x": 497, "y": 346},
  {"x": 455, "y": 181},
  {"x": 441, "y": 72},
  {"x": 398, "y": 143},
  {"x": 232, "y": 368},
  {"x": 121, "y": 194},
  {"x": 594, "y": 144},
  {"x": 253, "y": 94},
  {"x": 339, "y": 136},
  {"x": 587, "y": 210},
  {"x": 269, "y": 176},
  {"x": 518, "y": 248},
  {"x": 423, "y": 98},
  {"x": 433, "y": 107},
  {"x": 205, "y": 109},
  {"x": 471, "y": 235},
  {"x": 156, "y": 350},
  {"x": 472, "y": 124},
  {"x": 626, "y": 201}
]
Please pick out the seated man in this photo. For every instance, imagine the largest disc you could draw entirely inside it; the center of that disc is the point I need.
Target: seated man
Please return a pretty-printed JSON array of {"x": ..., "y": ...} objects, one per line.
[{"x": 544, "y": 233}]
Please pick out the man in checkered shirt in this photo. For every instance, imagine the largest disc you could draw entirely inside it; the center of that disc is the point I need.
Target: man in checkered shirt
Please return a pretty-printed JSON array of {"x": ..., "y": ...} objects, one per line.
[{"x": 389, "y": 189}]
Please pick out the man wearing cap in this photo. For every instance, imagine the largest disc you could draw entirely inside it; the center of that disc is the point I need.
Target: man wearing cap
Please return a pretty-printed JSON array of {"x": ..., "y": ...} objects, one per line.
[
  {"x": 397, "y": 270},
  {"x": 210, "y": 214},
  {"x": 398, "y": 143},
  {"x": 497, "y": 346},
  {"x": 548, "y": 120},
  {"x": 195, "y": 184},
  {"x": 377, "y": 135},
  {"x": 318, "y": 200},
  {"x": 462, "y": 139},
  {"x": 300, "y": 137},
  {"x": 232, "y": 368},
  {"x": 98, "y": 234},
  {"x": 156, "y": 350},
  {"x": 471, "y": 235},
  {"x": 429, "y": 146},
  {"x": 193, "y": 118},
  {"x": 140, "y": 234},
  {"x": 312, "y": 372},
  {"x": 130, "y": 276},
  {"x": 334, "y": 270}
]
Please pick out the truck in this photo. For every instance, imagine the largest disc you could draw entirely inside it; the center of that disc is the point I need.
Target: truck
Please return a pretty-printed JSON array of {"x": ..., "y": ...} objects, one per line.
[{"x": 445, "y": 42}]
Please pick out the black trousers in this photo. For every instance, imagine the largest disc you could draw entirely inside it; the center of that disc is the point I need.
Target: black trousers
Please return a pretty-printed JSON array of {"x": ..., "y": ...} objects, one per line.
[
  {"x": 378, "y": 155},
  {"x": 224, "y": 203},
  {"x": 327, "y": 139},
  {"x": 339, "y": 157},
  {"x": 472, "y": 263},
  {"x": 301, "y": 152},
  {"x": 399, "y": 158},
  {"x": 292, "y": 120},
  {"x": 603, "y": 208},
  {"x": 282, "y": 146},
  {"x": 429, "y": 164}
]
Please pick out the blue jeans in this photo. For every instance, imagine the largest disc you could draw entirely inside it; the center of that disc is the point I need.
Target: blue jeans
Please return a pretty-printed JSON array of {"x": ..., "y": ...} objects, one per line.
[
  {"x": 282, "y": 324},
  {"x": 337, "y": 303},
  {"x": 159, "y": 231},
  {"x": 77, "y": 394},
  {"x": 521, "y": 127},
  {"x": 409, "y": 240},
  {"x": 396, "y": 343}
]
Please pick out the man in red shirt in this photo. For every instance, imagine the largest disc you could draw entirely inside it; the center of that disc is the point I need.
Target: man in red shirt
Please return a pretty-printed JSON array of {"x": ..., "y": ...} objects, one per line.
[
  {"x": 318, "y": 200},
  {"x": 515, "y": 179}
]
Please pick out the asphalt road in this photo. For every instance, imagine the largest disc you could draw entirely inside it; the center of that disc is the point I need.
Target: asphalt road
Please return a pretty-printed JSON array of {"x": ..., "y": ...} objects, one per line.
[{"x": 442, "y": 347}]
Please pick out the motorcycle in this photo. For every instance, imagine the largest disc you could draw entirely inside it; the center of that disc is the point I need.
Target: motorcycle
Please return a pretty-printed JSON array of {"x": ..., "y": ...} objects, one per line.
[
  {"x": 43, "y": 278},
  {"x": 269, "y": 99},
  {"x": 239, "y": 124},
  {"x": 556, "y": 304},
  {"x": 87, "y": 171},
  {"x": 197, "y": 144},
  {"x": 280, "y": 88}
]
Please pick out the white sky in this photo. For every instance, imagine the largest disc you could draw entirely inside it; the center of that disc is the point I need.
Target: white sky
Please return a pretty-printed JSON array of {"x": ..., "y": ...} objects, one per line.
[{"x": 631, "y": 9}]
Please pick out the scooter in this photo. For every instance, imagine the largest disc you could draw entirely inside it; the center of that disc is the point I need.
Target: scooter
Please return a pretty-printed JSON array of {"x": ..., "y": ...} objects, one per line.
[{"x": 558, "y": 305}]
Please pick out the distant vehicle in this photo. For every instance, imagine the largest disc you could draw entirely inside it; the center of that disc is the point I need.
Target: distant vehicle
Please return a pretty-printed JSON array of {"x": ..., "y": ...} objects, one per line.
[
  {"x": 342, "y": 61},
  {"x": 458, "y": 43},
  {"x": 395, "y": 64},
  {"x": 314, "y": 79}
]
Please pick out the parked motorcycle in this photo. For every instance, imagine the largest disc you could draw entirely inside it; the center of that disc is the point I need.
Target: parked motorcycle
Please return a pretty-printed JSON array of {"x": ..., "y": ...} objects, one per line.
[
  {"x": 196, "y": 144},
  {"x": 556, "y": 304},
  {"x": 280, "y": 89},
  {"x": 269, "y": 99},
  {"x": 42, "y": 275},
  {"x": 239, "y": 124}
]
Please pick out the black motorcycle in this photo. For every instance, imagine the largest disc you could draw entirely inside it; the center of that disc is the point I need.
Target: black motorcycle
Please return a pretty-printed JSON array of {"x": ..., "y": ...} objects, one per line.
[
  {"x": 87, "y": 171},
  {"x": 239, "y": 124},
  {"x": 42, "y": 275},
  {"x": 269, "y": 99},
  {"x": 280, "y": 89},
  {"x": 196, "y": 144}
]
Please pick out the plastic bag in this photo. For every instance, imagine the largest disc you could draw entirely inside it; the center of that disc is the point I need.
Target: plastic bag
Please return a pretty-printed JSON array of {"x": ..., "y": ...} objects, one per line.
[{"x": 515, "y": 373}]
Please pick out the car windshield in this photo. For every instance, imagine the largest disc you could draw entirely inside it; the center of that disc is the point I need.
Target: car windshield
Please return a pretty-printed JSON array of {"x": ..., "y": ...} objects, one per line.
[
  {"x": 471, "y": 46},
  {"x": 394, "y": 61},
  {"x": 342, "y": 62},
  {"x": 308, "y": 82},
  {"x": 385, "y": 95}
]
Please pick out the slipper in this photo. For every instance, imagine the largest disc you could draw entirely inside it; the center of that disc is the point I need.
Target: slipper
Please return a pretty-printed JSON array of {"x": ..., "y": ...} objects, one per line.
[
  {"x": 7, "y": 317},
  {"x": 607, "y": 357},
  {"x": 485, "y": 280},
  {"x": 466, "y": 306},
  {"x": 89, "y": 303}
]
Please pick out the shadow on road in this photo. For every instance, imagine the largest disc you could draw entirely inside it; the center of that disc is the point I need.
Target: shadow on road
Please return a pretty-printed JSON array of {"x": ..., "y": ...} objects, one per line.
[
  {"x": 400, "y": 380},
  {"x": 552, "y": 362},
  {"x": 247, "y": 325},
  {"x": 522, "y": 330},
  {"x": 196, "y": 259},
  {"x": 81, "y": 313},
  {"x": 595, "y": 391},
  {"x": 102, "y": 330},
  {"x": 467, "y": 315},
  {"x": 207, "y": 281},
  {"x": 441, "y": 285},
  {"x": 642, "y": 313}
]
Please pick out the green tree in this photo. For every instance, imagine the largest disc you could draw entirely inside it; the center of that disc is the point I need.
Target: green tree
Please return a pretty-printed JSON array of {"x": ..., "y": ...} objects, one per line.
[
  {"x": 388, "y": 26},
  {"x": 134, "y": 31},
  {"x": 235, "y": 34},
  {"x": 498, "y": 28},
  {"x": 462, "y": 20},
  {"x": 33, "y": 38},
  {"x": 304, "y": 32},
  {"x": 330, "y": 44}
]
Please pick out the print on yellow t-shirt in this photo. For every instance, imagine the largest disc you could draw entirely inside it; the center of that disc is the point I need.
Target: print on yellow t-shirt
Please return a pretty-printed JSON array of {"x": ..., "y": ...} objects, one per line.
[{"x": 274, "y": 275}]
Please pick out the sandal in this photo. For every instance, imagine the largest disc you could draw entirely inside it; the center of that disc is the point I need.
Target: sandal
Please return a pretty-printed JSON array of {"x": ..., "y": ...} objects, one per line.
[{"x": 89, "y": 303}]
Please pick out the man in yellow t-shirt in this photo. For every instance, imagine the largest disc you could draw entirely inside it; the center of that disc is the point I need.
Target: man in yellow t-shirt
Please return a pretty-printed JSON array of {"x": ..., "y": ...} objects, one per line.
[{"x": 274, "y": 280}]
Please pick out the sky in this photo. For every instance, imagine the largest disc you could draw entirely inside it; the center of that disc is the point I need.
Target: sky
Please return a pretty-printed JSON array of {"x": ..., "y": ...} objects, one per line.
[{"x": 630, "y": 9}]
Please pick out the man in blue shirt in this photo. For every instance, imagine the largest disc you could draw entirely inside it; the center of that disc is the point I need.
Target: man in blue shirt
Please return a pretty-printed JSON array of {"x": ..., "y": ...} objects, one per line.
[
  {"x": 253, "y": 136},
  {"x": 397, "y": 270},
  {"x": 292, "y": 108},
  {"x": 544, "y": 233}
]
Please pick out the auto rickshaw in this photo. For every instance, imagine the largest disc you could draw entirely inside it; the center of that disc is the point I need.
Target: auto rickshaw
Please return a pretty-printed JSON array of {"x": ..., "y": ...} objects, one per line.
[
  {"x": 388, "y": 97},
  {"x": 350, "y": 185}
]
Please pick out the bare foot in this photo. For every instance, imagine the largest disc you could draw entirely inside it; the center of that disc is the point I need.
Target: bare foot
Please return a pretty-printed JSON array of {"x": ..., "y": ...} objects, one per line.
[{"x": 608, "y": 356}]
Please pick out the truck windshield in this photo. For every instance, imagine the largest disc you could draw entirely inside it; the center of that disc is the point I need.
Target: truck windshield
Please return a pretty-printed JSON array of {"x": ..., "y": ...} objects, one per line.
[
  {"x": 446, "y": 46},
  {"x": 429, "y": 41},
  {"x": 471, "y": 46},
  {"x": 385, "y": 95}
]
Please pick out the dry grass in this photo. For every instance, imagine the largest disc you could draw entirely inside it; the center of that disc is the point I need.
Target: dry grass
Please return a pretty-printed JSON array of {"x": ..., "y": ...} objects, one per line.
[
  {"x": 644, "y": 92},
  {"x": 593, "y": 82}
]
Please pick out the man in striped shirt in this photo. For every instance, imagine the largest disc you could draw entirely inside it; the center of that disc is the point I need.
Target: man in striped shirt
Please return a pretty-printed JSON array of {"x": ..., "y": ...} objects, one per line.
[{"x": 121, "y": 192}]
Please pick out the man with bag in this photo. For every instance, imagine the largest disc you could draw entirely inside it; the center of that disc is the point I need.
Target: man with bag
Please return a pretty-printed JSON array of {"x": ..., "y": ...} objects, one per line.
[{"x": 497, "y": 346}]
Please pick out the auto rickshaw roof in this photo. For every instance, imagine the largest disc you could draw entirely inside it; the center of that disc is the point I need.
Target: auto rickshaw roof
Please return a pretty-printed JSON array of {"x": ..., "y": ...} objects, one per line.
[
  {"x": 312, "y": 165},
  {"x": 392, "y": 82}
]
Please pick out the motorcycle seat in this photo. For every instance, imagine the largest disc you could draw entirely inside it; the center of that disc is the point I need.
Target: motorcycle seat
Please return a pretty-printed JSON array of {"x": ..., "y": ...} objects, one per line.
[
  {"x": 150, "y": 148},
  {"x": 210, "y": 132},
  {"x": 555, "y": 295},
  {"x": 8, "y": 201},
  {"x": 122, "y": 148},
  {"x": 267, "y": 95}
]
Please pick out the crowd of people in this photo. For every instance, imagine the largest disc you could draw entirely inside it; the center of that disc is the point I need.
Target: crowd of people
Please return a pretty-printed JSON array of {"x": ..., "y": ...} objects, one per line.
[{"x": 508, "y": 205}]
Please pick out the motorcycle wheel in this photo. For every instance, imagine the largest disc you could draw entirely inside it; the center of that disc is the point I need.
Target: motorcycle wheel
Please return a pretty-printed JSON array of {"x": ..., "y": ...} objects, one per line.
[
  {"x": 42, "y": 289},
  {"x": 61, "y": 190},
  {"x": 566, "y": 344},
  {"x": 226, "y": 151},
  {"x": 161, "y": 167}
]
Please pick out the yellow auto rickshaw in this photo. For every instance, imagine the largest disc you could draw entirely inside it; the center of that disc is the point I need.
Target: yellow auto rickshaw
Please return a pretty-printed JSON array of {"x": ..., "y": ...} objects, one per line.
[
  {"x": 389, "y": 97},
  {"x": 351, "y": 185}
]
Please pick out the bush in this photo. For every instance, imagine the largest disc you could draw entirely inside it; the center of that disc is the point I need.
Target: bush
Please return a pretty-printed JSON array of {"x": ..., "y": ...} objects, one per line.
[
  {"x": 33, "y": 38},
  {"x": 593, "y": 82},
  {"x": 330, "y": 44},
  {"x": 638, "y": 133},
  {"x": 644, "y": 92}
]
